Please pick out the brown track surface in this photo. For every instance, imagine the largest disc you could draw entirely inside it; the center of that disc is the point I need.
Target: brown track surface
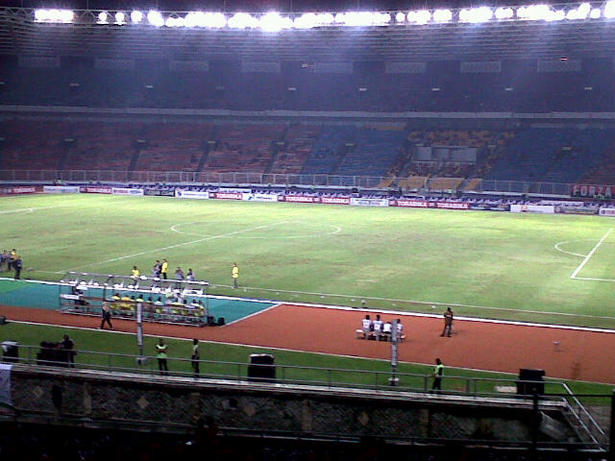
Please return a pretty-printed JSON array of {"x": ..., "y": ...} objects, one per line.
[{"x": 582, "y": 355}]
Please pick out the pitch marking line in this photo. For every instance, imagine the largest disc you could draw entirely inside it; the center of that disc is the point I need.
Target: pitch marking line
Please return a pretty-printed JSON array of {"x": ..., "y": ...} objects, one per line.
[
  {"x": 557, "y": 247},
  {"x": 336, "y": 230},
  {"x": 590, "y": 254},
  {"x": 30, "y": 210},
  {"x": 408, "y": 301},
  {"x": 176, "y": 245}
]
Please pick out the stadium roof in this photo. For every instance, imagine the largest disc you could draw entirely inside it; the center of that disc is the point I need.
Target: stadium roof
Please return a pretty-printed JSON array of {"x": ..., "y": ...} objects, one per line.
[{"x": 22, "y": 32}]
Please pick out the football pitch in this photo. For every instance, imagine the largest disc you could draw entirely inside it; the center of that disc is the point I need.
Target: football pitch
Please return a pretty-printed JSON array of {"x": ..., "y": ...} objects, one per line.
[{"x": 541, "y": 268}]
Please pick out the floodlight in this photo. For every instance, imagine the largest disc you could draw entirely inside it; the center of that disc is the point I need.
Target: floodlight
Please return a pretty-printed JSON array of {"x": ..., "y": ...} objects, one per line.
[
  {"x": 504, "y": 13},
  {"x": 242, "y": 21},
  {"x": 53, "y": 15},
  {"x": 136, "y": 17},
  {"x": 609, "y": 9},
  {"x": 400, "y": 17},
  {"x": 311, "y": 20},
  {"x": 155, "y": 18},
  {"x": 363, "y": 18},
  {"x": 419, "y": 17},
  {"x": 476, "y": 15},
  {"x": 120, "y": 18},
  {"x": 174, "y": 21},
  {"x": 442, "y": 15},
  {"x": 584, "y": 10},
  {"x": 534, "y": 12},
  {"x": 102, "y": 18},
  {"x": 200, "y": 19},
  {"x": 273, "y": 22},
  {"x": 595, "y": 13}
]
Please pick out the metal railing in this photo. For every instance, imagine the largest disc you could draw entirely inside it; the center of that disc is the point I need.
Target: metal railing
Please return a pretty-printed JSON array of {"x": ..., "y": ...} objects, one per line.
[
  {"x": 264, "y": 179},
  {"x": 291, "y": 374}
]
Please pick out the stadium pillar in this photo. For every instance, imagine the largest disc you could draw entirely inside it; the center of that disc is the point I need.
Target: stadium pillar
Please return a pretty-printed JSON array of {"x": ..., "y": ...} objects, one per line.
[
  {"x": 394, "y": 380},
  {"x": 141, "y": 358}
]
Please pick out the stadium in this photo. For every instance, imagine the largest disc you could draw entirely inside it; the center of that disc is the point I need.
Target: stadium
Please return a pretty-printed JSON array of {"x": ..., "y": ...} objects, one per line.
[{"x": 282, "y": 230}]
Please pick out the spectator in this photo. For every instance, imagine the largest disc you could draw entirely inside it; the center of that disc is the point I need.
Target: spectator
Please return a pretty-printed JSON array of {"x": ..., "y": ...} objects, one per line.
[
  {"x": 161, "y": 355},
  {"x": 438, "y": 371}
]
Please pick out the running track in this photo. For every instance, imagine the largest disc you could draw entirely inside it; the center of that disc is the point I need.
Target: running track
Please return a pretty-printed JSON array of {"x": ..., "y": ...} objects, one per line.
[{"x": 582, "y": 355}]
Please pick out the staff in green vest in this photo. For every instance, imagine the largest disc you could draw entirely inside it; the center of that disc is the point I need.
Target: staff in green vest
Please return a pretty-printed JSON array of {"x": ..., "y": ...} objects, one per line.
[
  {"x": 195, "y": 357},
  {"x": 161, "y": 355}
]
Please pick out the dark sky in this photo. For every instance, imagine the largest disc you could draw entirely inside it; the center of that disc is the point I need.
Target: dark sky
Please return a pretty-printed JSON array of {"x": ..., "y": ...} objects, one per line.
[{"x": 260, "y": 5}]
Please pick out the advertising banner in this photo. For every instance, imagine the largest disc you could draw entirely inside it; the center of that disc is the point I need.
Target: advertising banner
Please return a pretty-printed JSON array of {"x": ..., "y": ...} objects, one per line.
[
  {"x": 202, "y": 195},
  {"x": 585, "y": 210},
  {"x": 226, "y": 195},
  {"x": 369, "y": 201},
  {"x": 607, "y": 211},
  {"x": 453, "y": 205},
  {"x": 411, "y": 203},
  {"x": 61, "y": 189},
  {"x": 126, "y": 191},
  {"x": 21, "y": 190},
  {"x": 545, "y": 209},
  {"x": 335, "y": 200},
  {"x": 261, "y": 197},
  {"x": 95, "y": 190},
  {"x": 241, "y": 190},
  {"x": 591, "y": 190},
  {"x": 160, "y": 192},
  {"x": 301, "y": 199}
]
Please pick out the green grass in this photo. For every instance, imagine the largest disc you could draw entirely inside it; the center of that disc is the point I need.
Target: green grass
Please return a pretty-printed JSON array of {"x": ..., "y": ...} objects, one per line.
[
  {"x": 295, "y": 366},
  {"x": 497, "y": 265}
]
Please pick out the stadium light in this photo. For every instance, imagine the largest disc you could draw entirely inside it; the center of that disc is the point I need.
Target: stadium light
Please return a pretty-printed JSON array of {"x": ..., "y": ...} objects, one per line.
[
  {"x": 54, "y": 15},
  {"x": 311, "y": 20},
  {"x": 200, "y": 19},
  {"x": 136, "y": 17},
  {"x": 362, "y": 18},
  {"x": 419, "y": 16},
  {"x": 120, "y": 18},
  {"x": 476, "y": 15},
  {"x": 273, "y": 22},
  {"x": 103, "y": 17},
  {"x": 504, "y": 13},
  {"x": 609, "y": 10},
  {"x": 442, "y": 15},
  {"x": 174, "y": 21},
  {"x": 242, "y": 21},
  {"x": 400, "y": 17},
  {"x": 155, "y": 18}
]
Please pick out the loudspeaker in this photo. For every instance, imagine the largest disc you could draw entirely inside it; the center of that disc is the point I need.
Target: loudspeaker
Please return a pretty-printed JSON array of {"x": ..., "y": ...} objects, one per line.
[
  {"x": 211, "y": 320},
  {"x": 2, "y": 320},
  {"x": 528, "y": 374},
  {"x": 261, "y": 368},
  {"x": 221, "y": 321}
]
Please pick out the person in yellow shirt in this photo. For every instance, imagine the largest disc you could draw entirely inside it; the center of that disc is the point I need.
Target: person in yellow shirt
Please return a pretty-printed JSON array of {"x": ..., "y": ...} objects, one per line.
[
  {"x": 235, "y": 275},
  {"x": 164, "y": 269},
  {"x": 135, "y": 273}
]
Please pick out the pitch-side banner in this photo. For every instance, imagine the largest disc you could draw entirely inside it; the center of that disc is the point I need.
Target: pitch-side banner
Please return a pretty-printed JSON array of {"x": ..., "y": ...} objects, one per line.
[
  {"x": 61, "y": 189},
  {"x": 202, "y": 195},
  {"x": 96, "y": 190},
  {"x": 545, "y": 209},
  {"x": 607, "y": 211},
  {"x": 369, "y": 201},
  {"x": 260, "y": 197},
  {"x": 335, "y": 200},
  {"x": 226, "y": 195},
  {"x": 19, "y": 190},
  {"x": 126, "y": 191},
  {"x": 301, "y": 199}
]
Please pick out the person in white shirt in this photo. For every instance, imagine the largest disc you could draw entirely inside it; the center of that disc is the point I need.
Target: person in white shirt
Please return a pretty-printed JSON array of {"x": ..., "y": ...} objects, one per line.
[
  {"x": 367, "y": 326},
  {"x": 377, "y": 327},
  {"x": 387, "y": 330}
]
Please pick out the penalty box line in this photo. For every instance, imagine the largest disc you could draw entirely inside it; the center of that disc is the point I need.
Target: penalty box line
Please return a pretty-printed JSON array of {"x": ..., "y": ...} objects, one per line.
[{"x": 589, "y": 255}]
